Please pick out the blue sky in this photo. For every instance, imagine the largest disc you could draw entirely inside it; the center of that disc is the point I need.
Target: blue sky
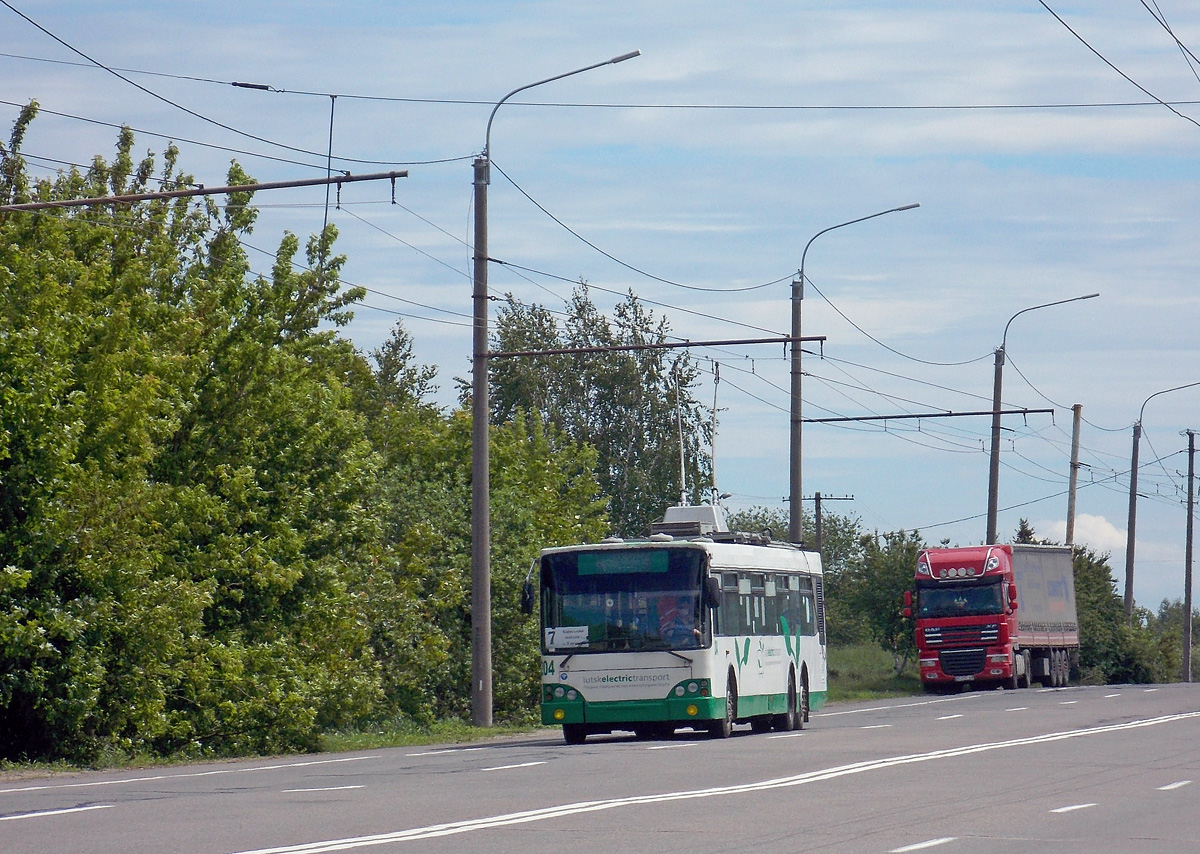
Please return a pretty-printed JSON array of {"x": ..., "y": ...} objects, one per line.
[{"x": 710, "y": 161}]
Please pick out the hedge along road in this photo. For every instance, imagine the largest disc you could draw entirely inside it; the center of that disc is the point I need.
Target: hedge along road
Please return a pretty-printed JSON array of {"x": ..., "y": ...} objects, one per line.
[{"x": 1097, "y": 769}]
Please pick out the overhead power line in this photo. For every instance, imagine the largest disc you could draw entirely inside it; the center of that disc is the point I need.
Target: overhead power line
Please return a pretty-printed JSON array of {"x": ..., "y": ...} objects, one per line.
[
  {"x": 1112, "y": 65},
  {"x": 475, "y": 102}
]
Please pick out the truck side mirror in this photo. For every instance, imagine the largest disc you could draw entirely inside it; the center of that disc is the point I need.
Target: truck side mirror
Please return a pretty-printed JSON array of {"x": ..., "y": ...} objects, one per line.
[
  {"x": 527, "y": 598},
  {"x": 907, "y": 603},
  {"x": 712, "y": 588},
  {"x": 1012, "y": 596}
]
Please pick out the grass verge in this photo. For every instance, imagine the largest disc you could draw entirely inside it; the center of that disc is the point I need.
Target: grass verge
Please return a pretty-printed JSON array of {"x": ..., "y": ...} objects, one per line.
[{"x": 866, "y": 672}]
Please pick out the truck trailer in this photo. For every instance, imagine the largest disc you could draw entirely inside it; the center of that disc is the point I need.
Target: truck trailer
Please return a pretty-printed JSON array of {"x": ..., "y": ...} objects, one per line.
[{"x": 995, "y": 615}]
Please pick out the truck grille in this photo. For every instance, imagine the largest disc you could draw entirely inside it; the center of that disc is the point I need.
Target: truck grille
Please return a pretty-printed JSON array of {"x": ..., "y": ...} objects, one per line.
[
  {"x": 962, "y": 662},
  {"x": 958, "y": 635}
]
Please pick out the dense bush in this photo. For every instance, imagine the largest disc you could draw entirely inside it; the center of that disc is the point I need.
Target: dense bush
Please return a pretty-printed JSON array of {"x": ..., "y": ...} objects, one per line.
[{"x": 222, "y": 529}]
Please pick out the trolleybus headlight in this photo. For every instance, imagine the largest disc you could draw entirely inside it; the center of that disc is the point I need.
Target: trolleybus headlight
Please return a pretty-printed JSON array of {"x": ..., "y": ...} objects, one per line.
[
  {"x": 693, "y": 687},
  {"x": 559, "y": 714},
  {"x": 571, "y": 695},
  {"x": 678, "y": 690},
  {"x": 559, "y": 691}
]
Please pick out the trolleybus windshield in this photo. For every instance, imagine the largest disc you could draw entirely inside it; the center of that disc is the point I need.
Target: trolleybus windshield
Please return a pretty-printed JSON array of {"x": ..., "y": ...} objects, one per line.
[{"x": 623, "y": 599}]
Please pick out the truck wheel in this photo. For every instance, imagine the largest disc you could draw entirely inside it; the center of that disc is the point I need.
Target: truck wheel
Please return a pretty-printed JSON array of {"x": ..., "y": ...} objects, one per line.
[
  {"x": 1027, "y": 679},
  {"x": 723, "y": 728}
]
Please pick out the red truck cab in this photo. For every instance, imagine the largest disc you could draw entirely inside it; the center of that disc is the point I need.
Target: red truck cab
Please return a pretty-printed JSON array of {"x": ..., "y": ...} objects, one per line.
[
  {"x": 965, "y": 606},
  {"x": 969, "y": 628}
]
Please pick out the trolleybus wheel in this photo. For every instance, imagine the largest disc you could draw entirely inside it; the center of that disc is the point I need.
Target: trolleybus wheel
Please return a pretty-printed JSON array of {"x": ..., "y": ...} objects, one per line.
[
  {"x": 805, "y": 703},
  {"x": 723, "y": 728},
  {"x": 574, "y": 733},
  {"x": 787, "y": 721}
]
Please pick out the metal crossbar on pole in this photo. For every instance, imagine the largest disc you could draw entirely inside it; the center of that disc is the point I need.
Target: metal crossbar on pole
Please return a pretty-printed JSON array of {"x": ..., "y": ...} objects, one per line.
[
  {"x": 923, "y": 415},
  {"x": 203, "y": 191},
  {"x": 621, "y": 348}
]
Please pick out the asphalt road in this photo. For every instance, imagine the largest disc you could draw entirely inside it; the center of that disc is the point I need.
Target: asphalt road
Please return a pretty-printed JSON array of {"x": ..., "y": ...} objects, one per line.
[{"x": 1112, "y": 769}]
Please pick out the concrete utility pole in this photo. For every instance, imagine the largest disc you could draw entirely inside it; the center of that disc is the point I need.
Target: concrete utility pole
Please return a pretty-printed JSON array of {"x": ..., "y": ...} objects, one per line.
[
  {"x": 1131, "y": 520},
  {"x": 795, "y": 485},
  {"x": 1187, "y": 560},
  {"x": 997, "y": 384},
  {"x": 817, "y": 517},
  {"x": 1131, "y": 530},
  {"x": 481, "y": 543},
  {"x": 1077, "y": 409}
]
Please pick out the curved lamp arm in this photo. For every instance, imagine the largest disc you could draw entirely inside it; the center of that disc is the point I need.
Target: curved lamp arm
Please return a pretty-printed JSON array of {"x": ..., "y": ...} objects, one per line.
[{"x": 487, "y": 141}]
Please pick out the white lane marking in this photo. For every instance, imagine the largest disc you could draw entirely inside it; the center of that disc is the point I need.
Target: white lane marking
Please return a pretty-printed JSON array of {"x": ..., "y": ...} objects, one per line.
[
  {"x": 879, "y": 726},
  {"x": 323, "y": 789},
  {"x": 508, "y": 767},
  {"x": 1108, "y": 696},
  {"x": 1072, "y": 808},
  {"x": 447, "y": 750},
  {"x": 787, "y": 735},
  {"x": 949, "y": 717},
  {"x": 55, "y": 812},
  {"x": 1018, "y": 709},
  {"x": 183, "y": 776},
  {"x": 563, "y": 810},
  {"x": 1149, "y": 690},
  {"x": 670, "y": 746},
  {"x": 957, "y": 699},
  {"x": 920, "y": 846},
  {"x": 1176, "y": 785},
  {"x": 1068, "y": 702}
]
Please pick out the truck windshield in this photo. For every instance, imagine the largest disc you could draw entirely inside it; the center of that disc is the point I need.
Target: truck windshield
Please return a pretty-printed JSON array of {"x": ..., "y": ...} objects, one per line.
[
  {"x": 623, "y": 599},
  {"x": 960, "y": 601}
]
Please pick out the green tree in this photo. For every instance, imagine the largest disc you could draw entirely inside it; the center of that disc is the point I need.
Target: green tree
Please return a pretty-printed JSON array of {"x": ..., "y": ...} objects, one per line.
[
  {"x": 543, "y": 492},
  {"x": 628, "y": 405},
  {"x": 182, "y": 478},
  {"x": 887, "y": 571}
]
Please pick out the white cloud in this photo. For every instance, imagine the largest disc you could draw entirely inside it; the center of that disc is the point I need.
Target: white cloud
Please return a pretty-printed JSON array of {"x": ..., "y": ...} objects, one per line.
[{"x": 1095, "y": 532}]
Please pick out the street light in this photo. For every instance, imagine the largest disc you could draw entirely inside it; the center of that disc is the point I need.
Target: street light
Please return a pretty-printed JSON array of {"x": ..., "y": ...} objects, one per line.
[
  {"x": 481, "y": 570},
  {"x": 1133, "y": 477},
  {"x": 994, "y": 468},
  {"x": 795, "y": 509}
]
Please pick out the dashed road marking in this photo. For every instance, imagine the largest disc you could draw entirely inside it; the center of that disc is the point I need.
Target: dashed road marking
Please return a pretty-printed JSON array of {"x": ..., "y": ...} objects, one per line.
[
  {"x": 509, "y": 767},
  {"x": 44, "y": 813},
  {"x": 921, "y": 846},
  {"x": 1072, "y": 808}
]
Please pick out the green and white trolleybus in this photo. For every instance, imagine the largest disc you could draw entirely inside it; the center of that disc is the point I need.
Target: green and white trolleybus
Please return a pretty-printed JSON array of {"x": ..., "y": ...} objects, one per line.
[{"x": 694, "y": 627}]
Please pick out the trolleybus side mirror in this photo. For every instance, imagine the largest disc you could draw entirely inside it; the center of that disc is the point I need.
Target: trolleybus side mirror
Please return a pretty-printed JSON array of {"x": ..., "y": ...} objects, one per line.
[
  {"x": 712, "y": 587},
  {"x": 527, "y": 598},
  {"x": 908, "y": 603}
]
